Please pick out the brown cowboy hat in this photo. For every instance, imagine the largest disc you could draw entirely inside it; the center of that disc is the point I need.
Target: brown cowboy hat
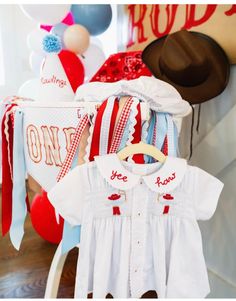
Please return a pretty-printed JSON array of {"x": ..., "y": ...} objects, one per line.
[{"x": 190, "y": 61}]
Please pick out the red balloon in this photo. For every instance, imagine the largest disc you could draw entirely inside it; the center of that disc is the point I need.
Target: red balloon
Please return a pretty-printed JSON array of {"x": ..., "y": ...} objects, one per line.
[
  {"x": 73, "y": 67},
  {"x": 44, "y": 220}
]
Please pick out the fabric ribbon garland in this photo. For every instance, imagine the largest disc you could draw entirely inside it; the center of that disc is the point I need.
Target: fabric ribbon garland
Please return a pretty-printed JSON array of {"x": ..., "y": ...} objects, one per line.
[
  {"x": 101, "y": 142},
  {"x": 107, "y": 125},
  {"x": 74, "y": 145},
  {"x": 19, "y": 196},
  {"x": 103, "y": 131},
  {"x": 107, "y": 111},
  {"x": 138, "y": 158},
  {"x": 125, "y": 113},
  {"x": 71, "y": 235},
  {"x": 8, "y": 134},
  {"x": 7, "y": 162},
  {"x": 129, "y": 129},
  {"x": 172, "y": 148}
]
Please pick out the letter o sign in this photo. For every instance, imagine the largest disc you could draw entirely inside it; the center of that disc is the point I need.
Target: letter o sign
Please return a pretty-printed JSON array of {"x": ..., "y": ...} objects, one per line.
[{"x": 33, "y": 142}]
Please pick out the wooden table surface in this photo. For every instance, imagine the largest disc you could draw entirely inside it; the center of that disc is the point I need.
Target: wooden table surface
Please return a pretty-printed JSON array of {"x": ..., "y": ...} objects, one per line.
[{"x": 23, "y": 274}]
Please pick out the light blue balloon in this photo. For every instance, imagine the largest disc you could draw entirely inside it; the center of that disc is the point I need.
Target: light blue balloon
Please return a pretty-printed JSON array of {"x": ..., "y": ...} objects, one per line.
[
  {"x": 96, "y": 18},
  {"x": 59, "y": 29}
]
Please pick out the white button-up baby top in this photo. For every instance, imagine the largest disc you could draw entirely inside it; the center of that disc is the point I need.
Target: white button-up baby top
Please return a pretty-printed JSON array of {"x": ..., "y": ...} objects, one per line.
[{"x": 139, "y": 226}]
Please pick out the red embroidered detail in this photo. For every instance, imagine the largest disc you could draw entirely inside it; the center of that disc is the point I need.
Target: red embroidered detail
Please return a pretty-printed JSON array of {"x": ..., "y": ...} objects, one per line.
[
  {"x": 114, "y": 197},
  {"x": 116, "y": 210},
  {"x": 166, "y": 181},
  {"x": 118, "y": 176},
  {"x": 168, "y": 197},
  {"x": 166, "y": 209}
]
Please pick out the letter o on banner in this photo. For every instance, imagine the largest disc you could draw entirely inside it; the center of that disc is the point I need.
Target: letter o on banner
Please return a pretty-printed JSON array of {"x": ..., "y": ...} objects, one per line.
[{"x": 33, "y": 142}]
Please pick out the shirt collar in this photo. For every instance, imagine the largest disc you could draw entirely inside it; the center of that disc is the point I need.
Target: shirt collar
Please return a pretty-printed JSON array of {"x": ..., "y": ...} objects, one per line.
[{"x": 165, "y": 179}]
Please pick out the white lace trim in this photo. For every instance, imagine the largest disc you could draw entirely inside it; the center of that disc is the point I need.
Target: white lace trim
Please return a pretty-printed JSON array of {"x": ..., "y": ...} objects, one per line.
[
  {"x": 133, "y": 122},
  {"x": 6, "y": 132}
]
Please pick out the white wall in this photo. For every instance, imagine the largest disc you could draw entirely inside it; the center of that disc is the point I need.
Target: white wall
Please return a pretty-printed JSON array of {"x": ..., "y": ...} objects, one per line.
[
  {"x": 14, "y": 27},
  {"x": 215, "y": 151}
]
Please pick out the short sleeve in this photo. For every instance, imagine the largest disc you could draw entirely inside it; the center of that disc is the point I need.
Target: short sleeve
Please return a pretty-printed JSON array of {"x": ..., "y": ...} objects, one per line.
[
  {"x": 207, "y": 190},
  {"x": 67, "y": 196}
]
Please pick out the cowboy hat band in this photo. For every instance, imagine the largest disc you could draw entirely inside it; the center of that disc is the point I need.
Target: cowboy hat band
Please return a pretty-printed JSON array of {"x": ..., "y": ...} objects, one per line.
[{"x": 192, "y": 62}]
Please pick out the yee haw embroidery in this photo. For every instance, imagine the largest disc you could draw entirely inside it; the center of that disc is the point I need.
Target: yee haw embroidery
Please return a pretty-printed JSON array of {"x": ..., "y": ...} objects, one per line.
[
  {"x": 165, "y": 181},
  {"x": 118, "y": 176}
]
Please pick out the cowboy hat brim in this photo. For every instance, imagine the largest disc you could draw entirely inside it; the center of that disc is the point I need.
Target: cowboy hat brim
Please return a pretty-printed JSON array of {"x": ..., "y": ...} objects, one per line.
[{"x": 214, "y": 84}]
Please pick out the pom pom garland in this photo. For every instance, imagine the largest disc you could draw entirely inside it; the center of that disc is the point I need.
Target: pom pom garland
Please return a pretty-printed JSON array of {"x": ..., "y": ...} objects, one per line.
[{"x": 52, "y": 43}]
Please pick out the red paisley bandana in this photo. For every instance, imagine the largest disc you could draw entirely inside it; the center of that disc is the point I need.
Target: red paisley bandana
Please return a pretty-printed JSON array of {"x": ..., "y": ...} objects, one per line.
[{"x": 122, "y": 65}]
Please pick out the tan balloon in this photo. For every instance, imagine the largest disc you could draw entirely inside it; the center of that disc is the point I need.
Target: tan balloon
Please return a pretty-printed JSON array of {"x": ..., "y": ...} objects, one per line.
[{"x": 76, "y": 38}]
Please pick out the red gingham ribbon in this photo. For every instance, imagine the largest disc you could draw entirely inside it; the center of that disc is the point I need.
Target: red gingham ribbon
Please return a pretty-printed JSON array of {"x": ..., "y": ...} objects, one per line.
[
  {"x": 121, "y": 126},
  {"x": 74, "y": 145},
  {"x": 165, "y": 146}
]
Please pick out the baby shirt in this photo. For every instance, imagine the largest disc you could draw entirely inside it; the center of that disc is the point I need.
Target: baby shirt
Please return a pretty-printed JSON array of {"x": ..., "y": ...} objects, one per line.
[{"x": 139, "y": 226}]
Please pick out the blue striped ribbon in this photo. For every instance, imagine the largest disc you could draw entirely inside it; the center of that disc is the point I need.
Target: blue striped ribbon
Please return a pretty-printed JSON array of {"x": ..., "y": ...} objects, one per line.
[{"x": 71, "y": 234}]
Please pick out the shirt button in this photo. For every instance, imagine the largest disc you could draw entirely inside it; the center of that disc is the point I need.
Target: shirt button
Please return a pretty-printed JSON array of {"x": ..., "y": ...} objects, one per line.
[
  {"x": 138, "y": 242},
  {"x": 139, "y": 214},
  {"x": 141, "y": 181},
  {"x": 135, "y": 271}
]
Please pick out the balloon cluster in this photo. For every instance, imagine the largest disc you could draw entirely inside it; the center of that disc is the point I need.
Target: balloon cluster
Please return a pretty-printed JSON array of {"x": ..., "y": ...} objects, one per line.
[
  {"x": 68, "y": 30},
  {"x": 68, "y": 27}
]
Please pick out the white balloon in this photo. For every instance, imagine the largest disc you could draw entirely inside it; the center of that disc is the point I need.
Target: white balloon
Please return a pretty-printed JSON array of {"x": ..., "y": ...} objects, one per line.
[
  {"x": 96, "y": 41},
  {"x": 92, "y": 59},
  {"x": 36, "y": 61},
  {"x": 30, "y": 89},
  {"x": 35, "y": 40},
  {"x": 48, "y": 14}
]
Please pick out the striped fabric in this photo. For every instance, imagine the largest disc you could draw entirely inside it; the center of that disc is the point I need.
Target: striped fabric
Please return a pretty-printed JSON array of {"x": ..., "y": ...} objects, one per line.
[{"x": 74, "y": 145}]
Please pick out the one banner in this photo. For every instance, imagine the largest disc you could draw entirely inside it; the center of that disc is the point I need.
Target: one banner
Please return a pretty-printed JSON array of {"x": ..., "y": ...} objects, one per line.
[{"x": 48, "y": 132}]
